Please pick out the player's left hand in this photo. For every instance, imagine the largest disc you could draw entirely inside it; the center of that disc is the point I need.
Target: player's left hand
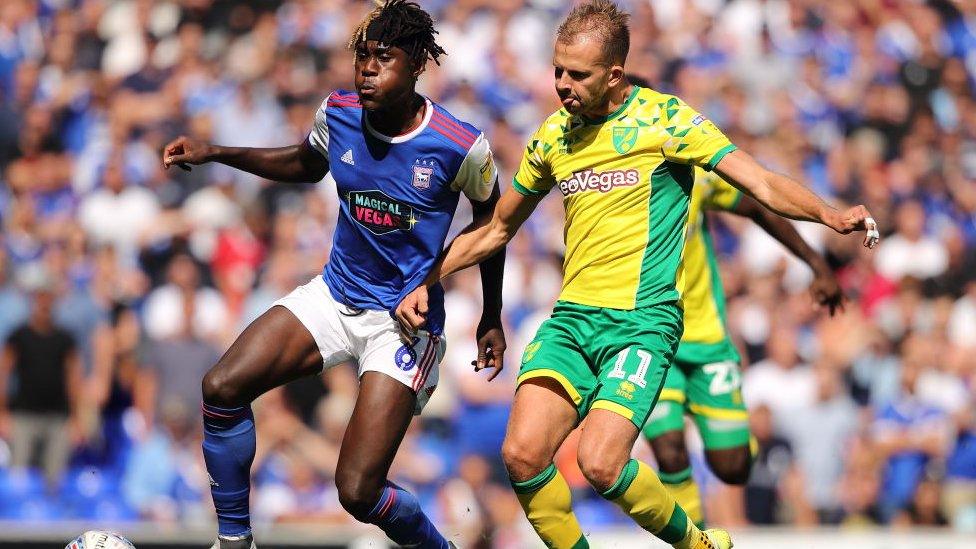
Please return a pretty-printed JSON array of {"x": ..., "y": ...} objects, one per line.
[
  {"x": 491, "y": 347},
  {"x": 826, "y": 292},
  {"x": 858, "y": 218}
]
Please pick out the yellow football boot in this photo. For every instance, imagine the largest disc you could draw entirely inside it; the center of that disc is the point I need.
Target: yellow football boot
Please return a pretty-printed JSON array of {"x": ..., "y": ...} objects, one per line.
[{"x": 717, "y": 539}]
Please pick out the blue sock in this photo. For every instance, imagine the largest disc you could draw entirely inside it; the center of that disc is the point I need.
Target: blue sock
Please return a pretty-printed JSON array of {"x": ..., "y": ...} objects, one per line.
[
  {"x": 228, "y": 449},
  {"x": 399, "y": 515}
]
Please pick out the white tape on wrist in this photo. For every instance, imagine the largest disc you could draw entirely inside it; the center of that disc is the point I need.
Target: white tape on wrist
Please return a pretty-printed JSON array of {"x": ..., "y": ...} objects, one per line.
[{"x": 873, "y": 235}]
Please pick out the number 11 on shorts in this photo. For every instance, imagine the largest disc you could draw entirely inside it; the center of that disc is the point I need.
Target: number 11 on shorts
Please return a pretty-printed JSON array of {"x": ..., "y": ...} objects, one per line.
[{"x": 638, "y": 377}]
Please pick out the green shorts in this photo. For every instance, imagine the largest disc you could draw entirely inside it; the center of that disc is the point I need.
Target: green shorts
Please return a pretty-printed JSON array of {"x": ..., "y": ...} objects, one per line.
[
  {"x": 608, "y": 359},
  {"x": 705, "y": 383}
]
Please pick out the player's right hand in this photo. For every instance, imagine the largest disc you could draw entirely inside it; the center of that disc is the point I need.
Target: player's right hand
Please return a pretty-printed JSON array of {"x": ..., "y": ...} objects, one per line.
[
  {"x": 411, "y": 313},
  {"x": 491, "y": 346},
  {"x": 184, "y": 150},
  {"x": 858, "y": 218}
]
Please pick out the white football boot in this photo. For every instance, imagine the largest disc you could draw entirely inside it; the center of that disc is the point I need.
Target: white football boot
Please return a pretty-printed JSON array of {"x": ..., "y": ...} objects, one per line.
[{"x": 237, "y": 542}]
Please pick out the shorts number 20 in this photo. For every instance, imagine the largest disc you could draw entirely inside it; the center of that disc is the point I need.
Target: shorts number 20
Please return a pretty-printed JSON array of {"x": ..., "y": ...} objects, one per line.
[{"x": 725, "y": 377}]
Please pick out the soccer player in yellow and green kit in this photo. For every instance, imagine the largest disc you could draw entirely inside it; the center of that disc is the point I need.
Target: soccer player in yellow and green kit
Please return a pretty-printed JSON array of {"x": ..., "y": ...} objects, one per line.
[{"x": 623, "y": 158}]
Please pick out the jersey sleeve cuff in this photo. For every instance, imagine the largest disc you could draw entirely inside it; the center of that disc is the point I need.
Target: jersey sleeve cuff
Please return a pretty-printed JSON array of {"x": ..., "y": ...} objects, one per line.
[
  {"x": 311, "y": 144},
  {"x": 717, "y": 157},
  {"x": 480, "y": 193},
  {"x": 522, "y": 189}
]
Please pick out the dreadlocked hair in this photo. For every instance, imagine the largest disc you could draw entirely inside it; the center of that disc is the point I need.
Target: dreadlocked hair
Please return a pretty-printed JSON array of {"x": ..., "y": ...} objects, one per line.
[
  {"x": 359, "y": 34},
  {"x": 404, "y": 24}
]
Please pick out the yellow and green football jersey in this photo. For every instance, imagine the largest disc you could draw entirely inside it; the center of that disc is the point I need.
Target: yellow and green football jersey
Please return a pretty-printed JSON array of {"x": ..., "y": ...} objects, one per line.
[
  {"x": 626, "y": 181},
  {"x": 705, "y": 339}
]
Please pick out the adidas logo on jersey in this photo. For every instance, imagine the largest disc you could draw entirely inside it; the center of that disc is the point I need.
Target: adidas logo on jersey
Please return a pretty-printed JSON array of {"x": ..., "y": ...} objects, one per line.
[{"x": 347, "y": 158}]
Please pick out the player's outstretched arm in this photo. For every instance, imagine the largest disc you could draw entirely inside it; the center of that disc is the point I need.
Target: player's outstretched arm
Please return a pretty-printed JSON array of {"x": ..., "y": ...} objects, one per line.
[
  {"x": 789, "y": 198},
  {"x": 490, "y": 333},
  {"x": 825, "y": 288},
  {"x": 294, "y": 164},
  {"x": 479, "y": 241}
]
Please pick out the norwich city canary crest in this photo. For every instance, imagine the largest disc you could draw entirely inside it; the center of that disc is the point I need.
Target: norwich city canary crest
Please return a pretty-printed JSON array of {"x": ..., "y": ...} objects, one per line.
[
  {"x": 530, "y": 351},
  {"x": 624, "y": 138}
]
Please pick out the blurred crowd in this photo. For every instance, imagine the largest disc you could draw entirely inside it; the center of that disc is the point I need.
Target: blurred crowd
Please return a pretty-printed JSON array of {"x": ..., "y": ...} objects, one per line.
[{"x": 121, "y": 283}]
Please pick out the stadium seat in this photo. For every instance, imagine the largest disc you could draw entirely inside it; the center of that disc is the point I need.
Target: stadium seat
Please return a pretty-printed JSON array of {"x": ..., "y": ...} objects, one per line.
[
  {"x": 87, "y": 492},
  {"x": 38, "y": 508},
  {"x": 21, "y": 483}
]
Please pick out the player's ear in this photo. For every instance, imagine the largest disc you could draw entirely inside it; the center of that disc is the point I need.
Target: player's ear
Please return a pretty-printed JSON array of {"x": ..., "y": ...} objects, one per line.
[{"x": 616, "y": 75}]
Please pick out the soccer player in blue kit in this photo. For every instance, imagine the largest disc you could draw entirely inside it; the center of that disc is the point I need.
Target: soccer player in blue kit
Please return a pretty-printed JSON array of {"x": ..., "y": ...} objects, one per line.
[{"x": 400, "y": 163}]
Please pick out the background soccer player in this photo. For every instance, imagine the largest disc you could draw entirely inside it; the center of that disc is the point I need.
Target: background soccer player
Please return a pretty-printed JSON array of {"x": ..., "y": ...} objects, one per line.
[
  {"x": 623, "y": 157},
  {"x": 705, "y": 380},
  {"x": 400, "y": 163}
]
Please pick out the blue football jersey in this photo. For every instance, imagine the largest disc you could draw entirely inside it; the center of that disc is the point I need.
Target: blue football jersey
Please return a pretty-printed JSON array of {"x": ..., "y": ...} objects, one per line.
[{"x": 397, "y": 198}]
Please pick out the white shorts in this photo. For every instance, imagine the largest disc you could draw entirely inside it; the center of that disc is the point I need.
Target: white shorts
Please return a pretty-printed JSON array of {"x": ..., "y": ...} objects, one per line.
[{"x": 371, "y": 338}]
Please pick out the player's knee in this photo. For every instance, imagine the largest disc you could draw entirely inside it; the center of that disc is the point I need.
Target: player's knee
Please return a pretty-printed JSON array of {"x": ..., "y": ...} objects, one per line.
[
  {"x": 221, "y": 389},
  {"x": 522, "y": 460},
  {"x": 670, "y": 452},
  {"x": 357, "y": 493},
  {"x": 732, "y": 474},
  {"x": 731, "y": 465},
  {"x": 600, "y": 471}
]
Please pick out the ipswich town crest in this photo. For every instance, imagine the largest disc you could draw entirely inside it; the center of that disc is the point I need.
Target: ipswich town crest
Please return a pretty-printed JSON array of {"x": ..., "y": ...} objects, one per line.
[{"x": 423, "y": 170}]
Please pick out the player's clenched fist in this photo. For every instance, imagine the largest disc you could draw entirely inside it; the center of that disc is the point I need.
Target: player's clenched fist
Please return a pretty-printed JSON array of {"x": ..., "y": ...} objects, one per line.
[
  {"x": 412, "y": 311},
  {"x": 857, "y": 219},
  {"x": 184, "y": 150}
]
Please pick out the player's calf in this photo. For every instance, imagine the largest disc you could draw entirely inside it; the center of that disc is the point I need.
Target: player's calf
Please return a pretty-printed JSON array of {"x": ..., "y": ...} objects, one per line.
[
  {"x": 228, "y": 449},
  {"x": 542, "y": 416},
  {"x": 274, "y": 349},
  {"x": 671, "y": 452},
  {"x": 397, "y": 512},
  {"x": 383, "y": 411},
  {"x": 637, "y": 490},
  {"x": 675, "y": 469},
  {"x": 229, "y": 443}
]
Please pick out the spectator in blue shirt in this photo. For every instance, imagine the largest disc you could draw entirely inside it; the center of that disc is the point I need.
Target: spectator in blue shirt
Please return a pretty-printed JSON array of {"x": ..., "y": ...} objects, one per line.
[{"x": 909, "y": 433}]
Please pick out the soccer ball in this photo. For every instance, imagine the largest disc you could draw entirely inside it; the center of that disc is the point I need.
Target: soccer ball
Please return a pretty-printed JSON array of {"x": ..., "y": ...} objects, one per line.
[{"x": 100, "y": 539}]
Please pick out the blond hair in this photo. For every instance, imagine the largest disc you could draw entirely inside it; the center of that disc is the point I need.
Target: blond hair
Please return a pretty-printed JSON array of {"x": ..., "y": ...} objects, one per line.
[
  {"x": 402, "y": 23},
  {"x": 359, "y": 34},
  {"x": 605, "y": 20}
]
